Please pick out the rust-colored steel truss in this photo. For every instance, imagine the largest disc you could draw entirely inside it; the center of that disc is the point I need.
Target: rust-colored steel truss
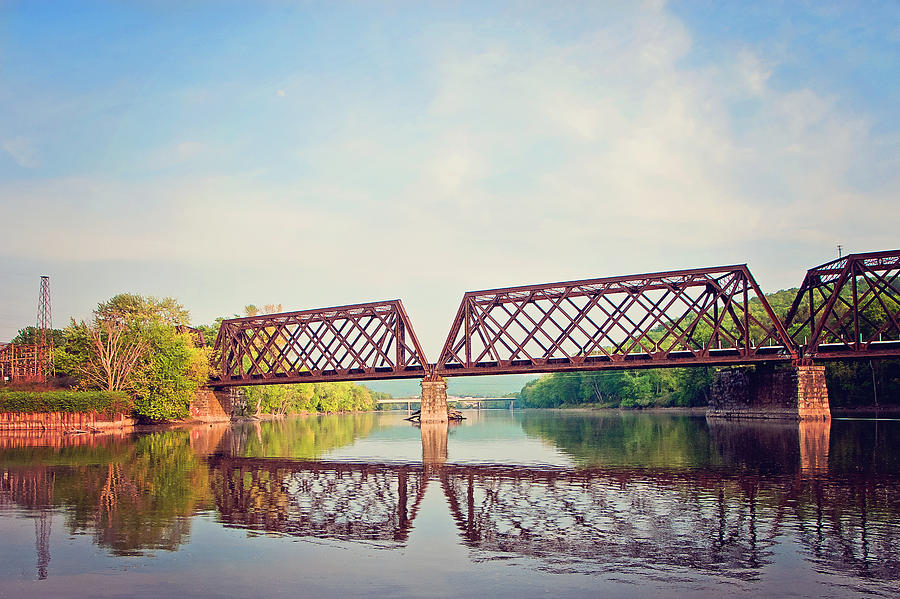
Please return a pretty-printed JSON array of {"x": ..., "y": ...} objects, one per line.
[
  {"x": 20, "y": 363},
  {"x": 708, "y": 316},
  {"x": 197, "y": 336},
  {"x": 358, "y": 342},
  {"x": 849, "y": 307},
  {"x": 711, "y": 316}
]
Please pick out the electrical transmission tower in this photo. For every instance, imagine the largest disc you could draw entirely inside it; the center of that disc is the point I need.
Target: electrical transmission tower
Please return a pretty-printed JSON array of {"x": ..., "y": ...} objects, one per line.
[{"x": 43, "y": 339}]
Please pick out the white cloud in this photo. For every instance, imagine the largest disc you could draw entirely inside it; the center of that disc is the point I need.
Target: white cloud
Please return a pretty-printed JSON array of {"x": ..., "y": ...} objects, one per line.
[
  {"x": 23, "y": 151},
  {"x": 645, "y": 152},
  {"x": 753, "y": 72},
  {"x": 534, "y": 158}
]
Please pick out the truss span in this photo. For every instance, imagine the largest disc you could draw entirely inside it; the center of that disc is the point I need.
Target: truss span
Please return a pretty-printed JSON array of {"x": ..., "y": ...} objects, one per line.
[
  {"x": 708, "y": 316},
  {"x": 849, "y": 308},
  {"x": 356, "y": 342},
  {"x": 698, "y": 317}
]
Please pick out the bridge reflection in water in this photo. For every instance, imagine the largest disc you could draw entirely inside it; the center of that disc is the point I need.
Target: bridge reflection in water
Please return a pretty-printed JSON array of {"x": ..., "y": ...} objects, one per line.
[
  {"x": 767, "y": 483},
  {"x": 349, "y": 501},
  {"x": 724, "y": 521}
]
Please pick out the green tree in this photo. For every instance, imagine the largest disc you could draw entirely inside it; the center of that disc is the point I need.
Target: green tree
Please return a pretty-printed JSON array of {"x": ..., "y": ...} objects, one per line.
[
  {"x": 692, "y": 386},
  {"x": 28, "y": 336},
  {"x": 309, "y": 397},
  {"x": 132, "y": 343},
  {"x": 627, "y": 389},
  {"x": 143, "y": 309},
  {"x": 173, "y": 372}
]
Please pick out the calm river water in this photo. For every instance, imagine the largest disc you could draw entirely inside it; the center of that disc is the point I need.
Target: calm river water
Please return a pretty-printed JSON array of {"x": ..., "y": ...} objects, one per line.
[{"x": 524, "y": 504}]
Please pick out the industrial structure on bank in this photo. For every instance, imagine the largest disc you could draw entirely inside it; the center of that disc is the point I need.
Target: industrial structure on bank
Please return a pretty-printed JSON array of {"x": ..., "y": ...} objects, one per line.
[{"x": 31, "y": 362}]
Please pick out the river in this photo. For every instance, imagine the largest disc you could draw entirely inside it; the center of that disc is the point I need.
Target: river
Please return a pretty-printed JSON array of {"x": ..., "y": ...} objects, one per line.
[{"x": 505, "y": 504}]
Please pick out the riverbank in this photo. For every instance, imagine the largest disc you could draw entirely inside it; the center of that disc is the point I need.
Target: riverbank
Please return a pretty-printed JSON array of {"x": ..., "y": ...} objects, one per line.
[
  {"x": 866, "y": 411},
  {"x": 862, "y": 411},
  {"x": 597, "y": 408}
]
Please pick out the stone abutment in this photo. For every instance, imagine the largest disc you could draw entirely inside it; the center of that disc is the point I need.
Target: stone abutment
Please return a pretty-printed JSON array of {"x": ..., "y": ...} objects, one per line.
[
  {"x": 784, "y": 393},
  {"x": 216, "y": 405}
]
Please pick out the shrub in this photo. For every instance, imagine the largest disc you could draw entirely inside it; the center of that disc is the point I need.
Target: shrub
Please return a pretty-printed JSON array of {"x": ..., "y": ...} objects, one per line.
[{"x": 106, "y": 402}]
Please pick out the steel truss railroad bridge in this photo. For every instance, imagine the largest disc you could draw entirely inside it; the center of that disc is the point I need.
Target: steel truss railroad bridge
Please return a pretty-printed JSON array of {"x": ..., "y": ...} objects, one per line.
[{"x": 847, "y": 308}]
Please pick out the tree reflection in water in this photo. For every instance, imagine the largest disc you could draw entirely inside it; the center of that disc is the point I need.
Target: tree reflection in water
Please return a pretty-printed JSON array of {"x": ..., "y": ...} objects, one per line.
[
  {"x": 734, "y": 492},
  {"x": 132, "y": 495}
]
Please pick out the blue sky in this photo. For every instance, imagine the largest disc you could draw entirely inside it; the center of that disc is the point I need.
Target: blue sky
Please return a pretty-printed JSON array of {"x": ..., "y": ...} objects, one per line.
[{"x": 314, "y": 154}]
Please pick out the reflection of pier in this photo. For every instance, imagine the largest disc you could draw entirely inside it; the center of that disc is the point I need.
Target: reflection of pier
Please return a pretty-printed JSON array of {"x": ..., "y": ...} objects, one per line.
[
  {"x": 772, "y": 446},
  {"x": 703, "y": 520}
]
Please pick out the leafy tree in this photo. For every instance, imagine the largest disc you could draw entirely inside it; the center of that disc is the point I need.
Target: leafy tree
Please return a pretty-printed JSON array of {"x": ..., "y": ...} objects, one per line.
[
  {"x": 692, "y": 386},
  {"x": 113, "y": 355},
  {"x": 309, "y": 397},
  {"x": 28, "y": 336},
  {"x": 132, "y": 343},
  {"x": 143, "y": 310},
  {"x": 626, "y": 389},
  {"x": 172, "y": 374}
]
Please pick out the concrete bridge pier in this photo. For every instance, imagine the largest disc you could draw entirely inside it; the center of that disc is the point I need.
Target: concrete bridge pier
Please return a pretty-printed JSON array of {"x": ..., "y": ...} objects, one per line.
[
  {"x": 796, "y": 392},
  {"x": 434, "y": 400}
]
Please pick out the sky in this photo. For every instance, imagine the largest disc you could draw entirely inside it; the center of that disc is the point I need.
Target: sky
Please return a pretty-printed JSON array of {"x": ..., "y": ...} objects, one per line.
[{"x": 316, "y": 154}]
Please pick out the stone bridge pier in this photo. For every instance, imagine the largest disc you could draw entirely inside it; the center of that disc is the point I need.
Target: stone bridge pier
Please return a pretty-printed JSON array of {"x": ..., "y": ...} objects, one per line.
[
  {"x": 796, "y": 392},
  {"x": 434, "y": 399},
  {"x": 210, "y": 404}
]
